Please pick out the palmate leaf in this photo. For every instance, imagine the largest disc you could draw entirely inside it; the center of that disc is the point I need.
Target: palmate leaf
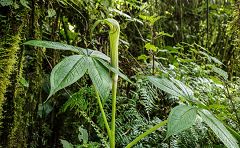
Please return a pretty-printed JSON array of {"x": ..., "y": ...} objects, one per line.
[
  {"x": 53, "y": 45},
  {"x": 181, "y": 118},
  {"x": 72, "y": 68},
  {"x": 165, "y": 85},
  {"x": 68, "y": 71},
  {"x": 98, "y": 54},
  {"x": 188, "y": 93},
  {"x": 114, "y": 70},
  {"x": 218, "y": 128},
  {"x": 100, "y": 77},
  {"x": 172, "y": 86},
  {"x": 61, "y": 46}
]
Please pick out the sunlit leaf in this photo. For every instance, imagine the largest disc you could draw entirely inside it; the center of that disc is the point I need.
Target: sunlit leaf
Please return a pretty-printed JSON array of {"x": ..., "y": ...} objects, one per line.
[
  {"x": 51, "y": 12},
  {"x": 220, "y": 72},
  {"x": 83, "y": 135},
  {"x": 219, "y": 129},
  {"x": 162, "y": 33},
  {"x": 149, "y": 46},
  {"x": 181, "y": 118},
  {"x": 216, "y": 60},
  {"x": 24, "y": 82},
  {"x": 66, "y": 144}
]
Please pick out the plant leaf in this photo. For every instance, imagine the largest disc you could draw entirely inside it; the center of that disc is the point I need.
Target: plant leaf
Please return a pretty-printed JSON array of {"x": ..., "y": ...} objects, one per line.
[
  {"x": 68, "y": 71},
  {"x": 150, "y": 46},
  {"x": 55, "y": 45},
  {"x": 25, "y": 3},
  {"x": 173, "y": 87},
  {"x": 100, "y": 77},
  {"x": 51, "y": 12},
  {"x": 165, "y": 85},
  {"x": 6, "y": 2},
  {"x": 107, "y": 65},
  {"x": 219, "y": 129},
  {"x": 66, "y": 144},
  {"x": 181, "y": 118},
  {"x": 220, "y": 72},
  {"x": 83, "y": 135},
  {"x": 98, "y": 54},
  {"x": 188, "y": 93}
]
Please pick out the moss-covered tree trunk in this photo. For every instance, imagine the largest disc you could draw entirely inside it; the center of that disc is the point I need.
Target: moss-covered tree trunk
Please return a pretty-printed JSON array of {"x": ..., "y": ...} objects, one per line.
[{"x": 10, "y": 30}]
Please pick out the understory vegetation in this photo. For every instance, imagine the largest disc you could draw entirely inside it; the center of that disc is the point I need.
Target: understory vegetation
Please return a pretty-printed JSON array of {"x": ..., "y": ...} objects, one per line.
[{"x": 119, "y": 73}]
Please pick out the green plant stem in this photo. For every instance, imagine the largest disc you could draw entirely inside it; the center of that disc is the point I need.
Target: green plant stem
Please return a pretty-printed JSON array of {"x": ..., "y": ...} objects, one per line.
[
  {"x": 114, "y": 99},
  {"x": 103, "y": 115},
  {"x": 114, "y": 40},
  {"x": 149, "y": 131}
]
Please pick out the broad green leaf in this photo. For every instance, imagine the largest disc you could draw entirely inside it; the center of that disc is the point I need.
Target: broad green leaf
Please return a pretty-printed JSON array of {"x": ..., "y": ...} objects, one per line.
[
  {"x": 54, "y": 45},
  {"x": 149, "y": 46},
  {"x": 165, "y": 85},
  {"x": 68, "y": 71},
  {"x": 188, "y": 93},
  {"x": 114, "y": 70},
  {"x": 221, "y": 72},
  {"x": 83, "y": 135},
  {"x": 100, "y": 77},
  {"x": 218, "y": 128},
  {"x": 181, "y": 118},
  {"x": 143, "y": 57},
  {"x": 98, "y": 54},
  {"x": 66, "y": 144},
  {"x": 172, "y": 86},
  {"x": 51, "y": 12},
  {"x": 61, "y": 46}
]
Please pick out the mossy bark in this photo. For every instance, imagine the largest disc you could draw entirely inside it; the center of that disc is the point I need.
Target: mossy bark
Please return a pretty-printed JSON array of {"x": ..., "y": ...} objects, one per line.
[
  {"x": 8, "y": 50},
  {"x": 10, "y": 38}
]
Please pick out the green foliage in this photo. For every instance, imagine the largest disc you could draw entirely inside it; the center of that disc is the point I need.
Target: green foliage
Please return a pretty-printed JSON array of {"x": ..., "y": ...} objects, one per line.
[
  {"x": 181, "y": 118},
  {"x": 193, "y": 56},
  {"x": 173, "y": 87},
  {"x": 219, "y": 129},
  {"x": 67, "y": 72},
  {"x": 83, "y": 138}
]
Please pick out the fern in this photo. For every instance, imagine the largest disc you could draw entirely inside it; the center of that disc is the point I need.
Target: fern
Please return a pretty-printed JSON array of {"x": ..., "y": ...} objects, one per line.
[{"x": 80, "y": 103}]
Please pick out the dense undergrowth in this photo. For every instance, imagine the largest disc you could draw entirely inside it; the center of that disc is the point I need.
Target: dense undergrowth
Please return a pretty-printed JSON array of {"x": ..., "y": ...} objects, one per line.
[{"x": 195, "y": 42}]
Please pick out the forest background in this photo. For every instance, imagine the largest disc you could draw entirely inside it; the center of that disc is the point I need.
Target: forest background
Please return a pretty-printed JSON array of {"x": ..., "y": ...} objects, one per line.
[{"x": 194, "y": 41}]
